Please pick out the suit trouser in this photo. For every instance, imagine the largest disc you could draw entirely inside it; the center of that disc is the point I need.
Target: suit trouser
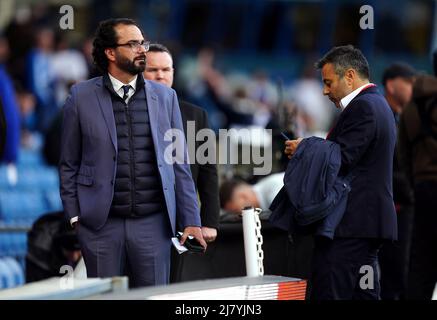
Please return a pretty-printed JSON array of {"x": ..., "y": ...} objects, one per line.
[
  {"x": 394, "y": 258},
  {"x": 422, "y": 278},
  {"x": 141, "y": 245},
  {"x": 345, "y": 269}
]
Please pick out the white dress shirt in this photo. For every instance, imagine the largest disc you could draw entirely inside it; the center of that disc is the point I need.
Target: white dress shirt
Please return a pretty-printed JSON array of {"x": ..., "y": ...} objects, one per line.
[
  {"x": 118, "y": 86},
  {"x": 346, "y": 100}
]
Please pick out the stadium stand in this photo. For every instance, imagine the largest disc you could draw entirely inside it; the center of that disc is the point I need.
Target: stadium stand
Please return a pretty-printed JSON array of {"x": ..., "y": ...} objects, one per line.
[{"x": 35, "y": 193}]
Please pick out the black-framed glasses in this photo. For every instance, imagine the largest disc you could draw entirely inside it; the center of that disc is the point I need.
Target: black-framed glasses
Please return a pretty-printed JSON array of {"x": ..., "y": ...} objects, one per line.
[{"x": 135, "y": 45}]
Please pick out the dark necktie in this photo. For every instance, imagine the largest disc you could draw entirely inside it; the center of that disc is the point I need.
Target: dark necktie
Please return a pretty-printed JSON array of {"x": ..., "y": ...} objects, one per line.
[{"x": 125, "y": 91}]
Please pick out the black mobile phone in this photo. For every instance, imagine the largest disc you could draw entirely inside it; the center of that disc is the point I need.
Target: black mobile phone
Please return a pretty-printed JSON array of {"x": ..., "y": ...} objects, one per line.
[
  {"x": 285, "y": 136},
  {"x": 191, "y": 243}
]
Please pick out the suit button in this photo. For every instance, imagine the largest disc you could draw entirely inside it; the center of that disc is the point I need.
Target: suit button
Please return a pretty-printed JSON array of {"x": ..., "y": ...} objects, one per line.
[
  {"x": 113, "y": 158},
  {"x": 112, "y": 182}
]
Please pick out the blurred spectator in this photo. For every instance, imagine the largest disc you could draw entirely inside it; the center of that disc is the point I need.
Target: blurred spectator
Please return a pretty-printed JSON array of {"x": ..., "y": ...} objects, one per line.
[
  {"x": 159, "y": 68},
  {"x": 69, "y": 67},
  {"x": 236, "y": 194},
  {"x": 10, "y": 108},
  {"x": 418, "y": 157},
  {"x": 262, "y": 90},
  {"x": 87, "y": 50},
  {"x": 20, "y": 37},
  {"x": 27, "y": 106},
  {"x": 398, "y": 82},
  {"x": 41, "y": 77},
  {"x": 51, "y": 245},
  {"x": 306, "y": 92}
]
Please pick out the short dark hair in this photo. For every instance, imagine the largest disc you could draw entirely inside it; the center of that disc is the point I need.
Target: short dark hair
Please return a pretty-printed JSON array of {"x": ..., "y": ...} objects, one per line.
[
  {"x": 345, "y": 57},
  {"x": 106, "y": 37},
  {"x": 157, "y": 47},
  {"x": 227, "y": 189},
  {"x": 398, "y": 69}
]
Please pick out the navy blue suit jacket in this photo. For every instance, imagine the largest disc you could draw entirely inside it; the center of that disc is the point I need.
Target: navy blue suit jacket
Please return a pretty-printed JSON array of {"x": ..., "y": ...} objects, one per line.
[
  {"x": 366, "y": 133},
  {"x": 89, "y": 151}
]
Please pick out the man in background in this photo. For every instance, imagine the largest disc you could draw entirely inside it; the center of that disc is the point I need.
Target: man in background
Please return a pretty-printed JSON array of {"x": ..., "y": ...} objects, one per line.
[
  {"x": 398, "y": 81},
  {"x": 159, "y": 68},
  {"x": 236, "y": 194},
  {"x": 418, "y": 157}
]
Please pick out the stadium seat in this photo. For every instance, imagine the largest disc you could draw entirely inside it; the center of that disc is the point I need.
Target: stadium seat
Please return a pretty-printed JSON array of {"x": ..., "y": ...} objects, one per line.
[
  {"x": 16, "y": 269},
  {"x": 29, "y": 158},
  {"x": 6, "y": 275},
  {"x": 21, "y": 206},
  {"x": 54, "y": 200}
]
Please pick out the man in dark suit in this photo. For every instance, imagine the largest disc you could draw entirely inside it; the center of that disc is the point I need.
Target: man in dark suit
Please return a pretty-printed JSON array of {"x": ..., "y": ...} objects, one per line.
[
  {"x": 346, "y": 267},
  {"x": 117, "y": 186},
  {"x": 398, "y": 80},
  {"x": 159, "y": 67}
]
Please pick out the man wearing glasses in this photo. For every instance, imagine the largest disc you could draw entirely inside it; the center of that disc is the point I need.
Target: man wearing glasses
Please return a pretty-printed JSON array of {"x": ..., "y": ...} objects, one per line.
[{"x": 118, "y": 190}]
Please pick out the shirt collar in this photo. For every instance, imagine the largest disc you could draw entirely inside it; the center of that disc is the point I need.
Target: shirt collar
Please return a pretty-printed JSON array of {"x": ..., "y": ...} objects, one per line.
[
  {"x": 346, "y": 100},
  {"x": 117, "y": 84}
]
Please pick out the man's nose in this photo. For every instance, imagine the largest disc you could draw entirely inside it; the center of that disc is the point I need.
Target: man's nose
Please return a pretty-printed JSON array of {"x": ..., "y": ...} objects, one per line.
[
  {"x": 142, "y": 49},
  {"x": 325, "y": 91}
]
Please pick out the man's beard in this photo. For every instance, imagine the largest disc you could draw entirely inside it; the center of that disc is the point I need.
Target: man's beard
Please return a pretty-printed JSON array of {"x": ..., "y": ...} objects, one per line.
[{"x": 129, "y": 66}]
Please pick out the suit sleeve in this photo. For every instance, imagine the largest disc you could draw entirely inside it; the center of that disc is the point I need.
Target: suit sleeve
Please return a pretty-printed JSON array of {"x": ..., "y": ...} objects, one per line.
[
  {"x": 187, "y": 209},
  {"x": 70, "y": 157},
  {"x": 207, "y": 185},
  {"x": 356, "y": 135}
]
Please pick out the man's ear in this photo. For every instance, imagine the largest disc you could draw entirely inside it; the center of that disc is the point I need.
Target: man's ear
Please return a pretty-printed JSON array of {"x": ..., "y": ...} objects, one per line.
[
  {"x": 389, "y": 87},
  {"x": 110, "y": 54},
  {"x": 350, "y": 75}
]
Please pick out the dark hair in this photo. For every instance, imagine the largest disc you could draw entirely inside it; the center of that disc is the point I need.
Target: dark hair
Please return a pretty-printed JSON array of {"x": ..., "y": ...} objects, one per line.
[
  {"x": 398, "y": 69},
  {"x": 345, "y": 57},
  {"x": 106, "y": 37},
  {"x": 227, "y": 190},
  {"x": 157, "y": 47}
]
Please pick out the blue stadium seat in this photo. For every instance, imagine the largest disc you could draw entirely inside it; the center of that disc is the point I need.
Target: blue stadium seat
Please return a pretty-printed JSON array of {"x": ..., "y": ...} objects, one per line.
[
  {"x": 16, "y": 269},
  {"x": 3, "y": 244},
  {"x": 6, "y": 275},
  {"x": 18, "y": 206},
  {"x": 30, "y": 158},
  {"x": 4, "y": 184},
  {"x": 42, "y": 178},
  {"x": 54, "y": 200}
]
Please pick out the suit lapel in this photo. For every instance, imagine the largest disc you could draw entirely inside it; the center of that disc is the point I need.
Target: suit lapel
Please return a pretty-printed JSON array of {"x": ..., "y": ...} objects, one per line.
[
  {"x": 105, "y": 104},
  {"x": 153, "y": 108},
  {"x": 333, "y": 132}
]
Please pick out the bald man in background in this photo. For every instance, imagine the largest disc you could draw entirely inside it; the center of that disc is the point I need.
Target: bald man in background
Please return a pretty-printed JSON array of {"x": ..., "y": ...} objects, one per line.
[{"x": 159, "y": 68}]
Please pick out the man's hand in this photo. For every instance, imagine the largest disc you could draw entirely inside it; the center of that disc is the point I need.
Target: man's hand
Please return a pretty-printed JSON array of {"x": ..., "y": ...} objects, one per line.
[
  {"x": 209, "y": 234},
  {"x": 196, "y": 232},
  {"x": 291, "y": 147}
]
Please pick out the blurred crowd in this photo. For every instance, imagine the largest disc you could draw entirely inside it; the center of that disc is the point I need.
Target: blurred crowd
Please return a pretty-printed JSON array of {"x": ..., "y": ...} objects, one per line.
[
  {"x": 38, "y": 70},
  {"x": 38, "y": 65}
]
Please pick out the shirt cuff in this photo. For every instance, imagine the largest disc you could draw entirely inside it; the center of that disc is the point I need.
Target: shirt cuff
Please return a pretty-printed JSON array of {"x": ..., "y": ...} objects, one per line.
[{"x": 74, "y": 219}]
